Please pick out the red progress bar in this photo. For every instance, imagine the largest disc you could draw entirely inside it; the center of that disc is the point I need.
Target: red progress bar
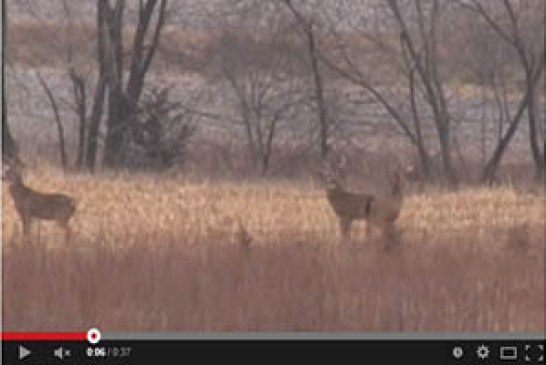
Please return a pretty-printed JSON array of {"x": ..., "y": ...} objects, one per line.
[{"x": 44, "y": 336}]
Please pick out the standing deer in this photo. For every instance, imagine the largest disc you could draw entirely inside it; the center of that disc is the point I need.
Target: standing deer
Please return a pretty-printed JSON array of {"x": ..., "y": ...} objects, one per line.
[
  {"x": 31, "y": 204},
  {"x": 378, "y": 211}
]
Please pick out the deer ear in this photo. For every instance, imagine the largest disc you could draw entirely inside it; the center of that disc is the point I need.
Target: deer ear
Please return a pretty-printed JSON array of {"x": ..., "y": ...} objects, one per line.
[
  {"x": 13, "y": 163},
  {"x": 6, "y": 165}
]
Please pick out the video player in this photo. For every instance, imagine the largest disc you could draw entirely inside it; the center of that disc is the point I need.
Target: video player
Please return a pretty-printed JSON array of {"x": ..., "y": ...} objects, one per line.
[{"x": 273, "y": 181}]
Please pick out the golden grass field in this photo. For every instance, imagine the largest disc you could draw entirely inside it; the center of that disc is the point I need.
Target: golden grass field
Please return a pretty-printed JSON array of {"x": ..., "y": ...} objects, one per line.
[
  {"x": 163, "y": 253},
  {"x": 115, "y": 208}
]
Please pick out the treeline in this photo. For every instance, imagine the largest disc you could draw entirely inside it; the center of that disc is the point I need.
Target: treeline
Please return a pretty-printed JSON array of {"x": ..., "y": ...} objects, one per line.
[{"x": 283, "y": 60}]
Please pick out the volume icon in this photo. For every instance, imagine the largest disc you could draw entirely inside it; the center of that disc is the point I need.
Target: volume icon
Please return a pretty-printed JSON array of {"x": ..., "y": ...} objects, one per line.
[{"x": 60, "y": 353}]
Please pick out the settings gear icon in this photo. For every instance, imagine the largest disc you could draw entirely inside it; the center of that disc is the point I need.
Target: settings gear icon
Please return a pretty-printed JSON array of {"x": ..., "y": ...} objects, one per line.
[{"x": 482, "y": 352}]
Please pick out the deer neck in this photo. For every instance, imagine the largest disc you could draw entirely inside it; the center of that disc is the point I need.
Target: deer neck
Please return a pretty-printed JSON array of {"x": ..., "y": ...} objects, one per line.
[
  {"x": 334, "y": 187},
  {"x": 17, "y": 187}
]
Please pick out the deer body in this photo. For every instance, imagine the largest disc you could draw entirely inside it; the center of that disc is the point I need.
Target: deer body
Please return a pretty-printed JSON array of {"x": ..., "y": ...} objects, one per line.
[
  {"x": 31, "y": 204},
  {"x": 348, "y": 206},
  {"x": 386, "y": 210},
  {"x": 379, "y": 211}
]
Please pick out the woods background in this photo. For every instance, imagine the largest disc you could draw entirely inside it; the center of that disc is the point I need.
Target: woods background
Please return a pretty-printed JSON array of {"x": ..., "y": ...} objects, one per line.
[{"x": 242, "y": 87}]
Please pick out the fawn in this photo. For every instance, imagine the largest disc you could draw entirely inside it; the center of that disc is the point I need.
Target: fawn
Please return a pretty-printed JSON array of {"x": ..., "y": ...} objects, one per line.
[{"x": 31, "y": 204}]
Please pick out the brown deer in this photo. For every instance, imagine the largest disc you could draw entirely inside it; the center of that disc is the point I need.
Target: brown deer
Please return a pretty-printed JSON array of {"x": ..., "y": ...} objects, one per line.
[
  {"x": 378, "y": 211},
  {"x": 31, "y": 204}
]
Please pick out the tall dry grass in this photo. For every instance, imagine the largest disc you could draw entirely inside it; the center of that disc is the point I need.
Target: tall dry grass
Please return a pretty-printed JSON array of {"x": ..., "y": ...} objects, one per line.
[{"x": 164, "y": 254}]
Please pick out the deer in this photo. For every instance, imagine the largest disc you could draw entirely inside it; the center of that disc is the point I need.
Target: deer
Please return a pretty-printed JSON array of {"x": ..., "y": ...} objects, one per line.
[
  {"x": 31, "y": 204},
  {"x": 378, "y": 211}
]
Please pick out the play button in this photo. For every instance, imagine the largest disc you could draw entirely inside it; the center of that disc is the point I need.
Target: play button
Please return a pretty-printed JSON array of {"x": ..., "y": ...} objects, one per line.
[{"x": 23, "y": 352}]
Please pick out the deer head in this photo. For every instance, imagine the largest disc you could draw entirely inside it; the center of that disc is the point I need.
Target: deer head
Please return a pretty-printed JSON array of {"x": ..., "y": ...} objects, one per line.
[
  {"x": 11, "y": 171},
  {"x": 332, "y": 172}
]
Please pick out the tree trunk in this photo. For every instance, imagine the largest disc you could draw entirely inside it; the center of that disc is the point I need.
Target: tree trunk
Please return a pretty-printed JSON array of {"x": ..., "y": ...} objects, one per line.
[
  {"x": 491, "y": 166},
  {"x": 100, "y": 89},
  {"x": 445, "y": 150},
  {"x": 9, "y": 147},
  {"x": 78, "y": 88},
  {"x": 117, "y": 118},
  {"x": 419, "y": 143},
  {"x": 94, "y": 125},
  {"x": 533, "y": 134},
  {"x": 319, "y": 93}
]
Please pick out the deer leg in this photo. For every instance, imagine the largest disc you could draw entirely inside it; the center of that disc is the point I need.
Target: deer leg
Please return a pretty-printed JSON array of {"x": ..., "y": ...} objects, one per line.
[
  {"x": 345, "y": 227},
  {"x": 67, "y": 231},
  {"x": 390, "y": 234},
  {"x": 25, "y": 222},
  {"x": 368, "y": 229}
]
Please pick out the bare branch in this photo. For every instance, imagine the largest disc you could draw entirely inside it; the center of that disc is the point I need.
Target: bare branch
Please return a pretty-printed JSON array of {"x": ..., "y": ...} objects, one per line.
[{"x": 55, "y": 109}]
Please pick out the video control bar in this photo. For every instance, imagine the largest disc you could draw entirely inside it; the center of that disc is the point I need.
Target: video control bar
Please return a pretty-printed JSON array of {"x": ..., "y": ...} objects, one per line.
[{"x": 255, "y": 351}]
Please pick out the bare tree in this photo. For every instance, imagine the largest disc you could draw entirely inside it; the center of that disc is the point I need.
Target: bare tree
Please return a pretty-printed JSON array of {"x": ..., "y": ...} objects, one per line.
[
  {"x": 426, "y": 64},
  {"x": 308, "y": 29},
  {"x": 264, "y": 92},
  {"x": 67, "y": 44},
  {"x": 484, "y": 59},
  {"x": 123, "y": 98},
  {"x": 376, "y": 62},
  {"x": 110, "y": 92},
  {"x": 80, "y": 101},
  {"x": 517, "y": 24},
  {"x": 58, "y": 122}
]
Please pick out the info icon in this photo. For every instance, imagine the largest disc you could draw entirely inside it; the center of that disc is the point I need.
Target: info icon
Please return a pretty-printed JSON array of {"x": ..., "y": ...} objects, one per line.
[{"x": 458, "y": 352}]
